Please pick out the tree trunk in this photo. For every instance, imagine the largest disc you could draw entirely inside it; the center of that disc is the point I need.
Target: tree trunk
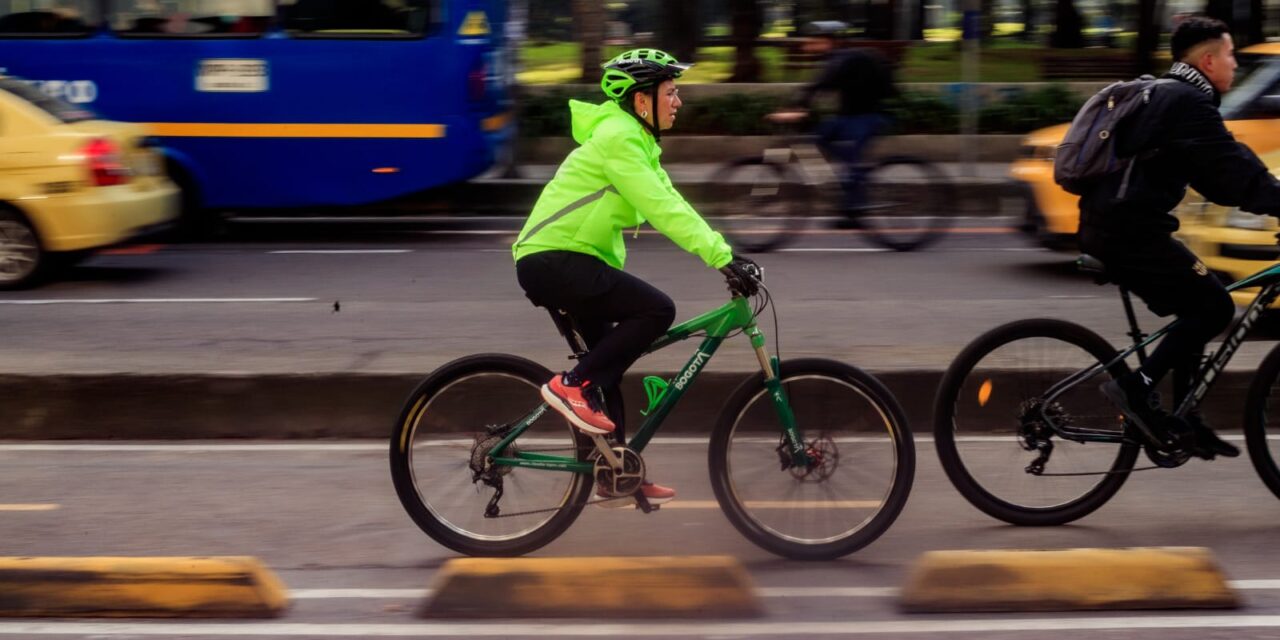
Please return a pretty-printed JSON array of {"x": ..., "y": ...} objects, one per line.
[
  {"x": 1148, "y": 35},
  {"x": 679, "y": 32},
  {"x": 1069, "y": 30},
  {"x": 588, "y": 23},
  {"x": 747, "y": 19},
  {"x": 1028, "y": 20}
]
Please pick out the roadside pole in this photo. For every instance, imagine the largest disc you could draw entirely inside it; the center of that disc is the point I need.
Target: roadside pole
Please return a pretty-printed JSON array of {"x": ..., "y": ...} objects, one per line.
[{"x": 972, "y": 34}]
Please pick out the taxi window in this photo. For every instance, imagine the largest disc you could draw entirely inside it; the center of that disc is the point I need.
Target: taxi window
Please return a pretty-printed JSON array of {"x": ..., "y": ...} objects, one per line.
[
  {"x": 191, "y": 18},
  {"x": 51, "y": 18},
  {"x": 1256, "y": 95},
  {"x": 64, "y": 111},
  {"x": 359, "y": 18}
]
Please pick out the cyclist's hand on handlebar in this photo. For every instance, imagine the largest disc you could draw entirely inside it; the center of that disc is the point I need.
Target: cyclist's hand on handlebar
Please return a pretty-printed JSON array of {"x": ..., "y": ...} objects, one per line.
[
  {"x": 743, "y": 276},
  {"x": 788, "y": 116}
]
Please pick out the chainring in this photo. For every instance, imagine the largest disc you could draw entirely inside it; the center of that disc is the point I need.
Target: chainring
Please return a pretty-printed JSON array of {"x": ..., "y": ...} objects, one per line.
[{"x": 620, "y": 484}]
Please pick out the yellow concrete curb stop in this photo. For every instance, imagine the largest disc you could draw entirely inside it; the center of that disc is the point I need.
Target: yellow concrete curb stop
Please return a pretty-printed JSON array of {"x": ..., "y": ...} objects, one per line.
[
  {"x": 156, "y": 587},
  {"x": 606, "y": 587},
  {"x": 1067, "y": 580}
]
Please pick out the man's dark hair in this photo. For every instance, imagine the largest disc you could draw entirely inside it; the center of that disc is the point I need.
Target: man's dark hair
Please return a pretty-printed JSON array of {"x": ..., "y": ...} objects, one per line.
[{"x": 1193, "y": 31}]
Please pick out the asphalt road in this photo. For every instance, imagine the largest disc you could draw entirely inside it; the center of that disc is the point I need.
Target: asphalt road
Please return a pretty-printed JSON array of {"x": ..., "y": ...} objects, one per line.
[
  {"x": 288, "y": 299},
  {"x": 283, "y": 298},
  {"x": 324, "y": 516}
]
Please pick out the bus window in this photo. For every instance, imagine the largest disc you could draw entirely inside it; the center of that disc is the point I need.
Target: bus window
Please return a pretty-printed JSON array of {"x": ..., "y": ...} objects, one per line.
[
  {"x": 190, "y": 17},
  {"x": 359, "y": 18},
  {"x": 47, "y": 17}
]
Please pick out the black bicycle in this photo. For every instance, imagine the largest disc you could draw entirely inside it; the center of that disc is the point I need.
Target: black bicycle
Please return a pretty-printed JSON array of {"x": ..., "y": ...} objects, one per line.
[
  {"x": 766, "y": 200},
  {"x": 1025, "y": 436}
]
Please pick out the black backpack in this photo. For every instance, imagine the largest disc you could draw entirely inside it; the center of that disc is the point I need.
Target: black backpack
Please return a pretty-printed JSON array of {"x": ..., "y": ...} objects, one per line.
[{"x": 1088, "y": 152}]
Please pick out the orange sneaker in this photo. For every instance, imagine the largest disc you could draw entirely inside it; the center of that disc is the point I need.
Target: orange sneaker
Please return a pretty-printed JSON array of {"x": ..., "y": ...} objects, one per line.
[
  {"x": 656, "y": 494},
  {"x": 580, "y": 408}
]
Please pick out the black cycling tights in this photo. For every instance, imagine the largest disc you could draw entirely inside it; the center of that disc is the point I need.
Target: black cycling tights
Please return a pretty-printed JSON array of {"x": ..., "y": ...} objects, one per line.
[{"x": 618, "y": 314}]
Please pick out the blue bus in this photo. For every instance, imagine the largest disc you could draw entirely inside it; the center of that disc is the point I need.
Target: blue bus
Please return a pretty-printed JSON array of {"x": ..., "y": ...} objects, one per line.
[{"x": 282, "y": 103}]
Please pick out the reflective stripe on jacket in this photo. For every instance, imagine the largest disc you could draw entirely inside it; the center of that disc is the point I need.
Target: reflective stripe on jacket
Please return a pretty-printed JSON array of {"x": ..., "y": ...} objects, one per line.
[{"x": 613, "y": 181}]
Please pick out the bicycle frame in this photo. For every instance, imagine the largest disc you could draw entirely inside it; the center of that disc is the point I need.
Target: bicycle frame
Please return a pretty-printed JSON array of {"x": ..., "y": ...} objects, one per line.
[
  {"x": 717, "y": 325},
  {"x": 1268, "y": 279}
]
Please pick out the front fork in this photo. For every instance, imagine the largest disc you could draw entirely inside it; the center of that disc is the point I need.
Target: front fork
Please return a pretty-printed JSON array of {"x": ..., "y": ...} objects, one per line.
[{"x": 773, "y": 384}]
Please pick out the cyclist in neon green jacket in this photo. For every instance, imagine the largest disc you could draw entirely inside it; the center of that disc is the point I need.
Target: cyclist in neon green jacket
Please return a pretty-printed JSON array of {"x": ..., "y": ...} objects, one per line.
[{"x": 570, "y": 254}]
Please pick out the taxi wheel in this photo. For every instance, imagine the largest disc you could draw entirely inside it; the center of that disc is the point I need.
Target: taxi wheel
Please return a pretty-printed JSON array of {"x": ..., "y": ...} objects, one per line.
[{"x": 21, "y": 256}]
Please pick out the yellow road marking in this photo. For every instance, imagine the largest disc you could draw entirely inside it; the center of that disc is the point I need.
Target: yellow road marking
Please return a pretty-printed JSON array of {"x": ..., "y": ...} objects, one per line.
[
  {"x": 29, "y": 507},
  {"x": 778, "y": 504}
]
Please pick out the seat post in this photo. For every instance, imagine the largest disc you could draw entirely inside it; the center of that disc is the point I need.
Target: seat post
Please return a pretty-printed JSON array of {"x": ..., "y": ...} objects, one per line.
[{"x": 1134, "y": 332}]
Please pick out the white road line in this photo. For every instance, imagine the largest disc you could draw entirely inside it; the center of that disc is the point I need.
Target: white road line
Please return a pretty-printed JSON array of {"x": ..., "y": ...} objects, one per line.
[
  {"x": 325, "y": 594},
  {"x": 153, "y": 300},
  {"x": 338, "y": 251},
  {"x": 541, "y": 629}
]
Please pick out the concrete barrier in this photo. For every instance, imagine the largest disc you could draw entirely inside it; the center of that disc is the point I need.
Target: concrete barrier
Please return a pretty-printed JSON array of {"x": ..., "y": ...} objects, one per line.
[
  {"x": 605, "y": 587},
  {"x": 226, "y": 587},
  {"x": 1067, "y": 580},
  {"x": 356, "y": 405}
]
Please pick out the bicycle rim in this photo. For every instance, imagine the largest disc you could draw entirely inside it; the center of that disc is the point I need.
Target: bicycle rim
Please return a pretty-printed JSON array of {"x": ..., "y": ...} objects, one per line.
[
  {"x": 758, "y": 204},
  {"x": 444, "y": 429},
  {"x": 989, "y": 408},
  {"x": 907, "y": 204},
  {"x": 849, "y": 499},
  {"x": 1262, "y": 421}
]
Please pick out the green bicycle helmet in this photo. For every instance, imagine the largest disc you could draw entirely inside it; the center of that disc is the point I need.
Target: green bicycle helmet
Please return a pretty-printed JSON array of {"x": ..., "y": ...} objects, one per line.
[{"x": 640, "y": 69}]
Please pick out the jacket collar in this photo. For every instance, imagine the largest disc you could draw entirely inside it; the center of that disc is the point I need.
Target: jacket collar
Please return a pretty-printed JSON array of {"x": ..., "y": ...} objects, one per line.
[{"x": 1193, "y": 77}]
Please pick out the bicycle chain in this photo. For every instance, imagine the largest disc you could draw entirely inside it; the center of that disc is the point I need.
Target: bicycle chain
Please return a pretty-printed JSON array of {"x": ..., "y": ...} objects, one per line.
[{"x": 580, "y": 504}]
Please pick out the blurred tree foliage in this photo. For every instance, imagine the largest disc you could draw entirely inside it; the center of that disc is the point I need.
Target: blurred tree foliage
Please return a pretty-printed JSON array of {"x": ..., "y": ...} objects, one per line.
[{"x": 1017, "y": 111}]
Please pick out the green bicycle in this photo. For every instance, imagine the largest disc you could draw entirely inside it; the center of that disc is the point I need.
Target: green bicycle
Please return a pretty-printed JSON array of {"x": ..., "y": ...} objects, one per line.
[{"x": 810, "y": 459}]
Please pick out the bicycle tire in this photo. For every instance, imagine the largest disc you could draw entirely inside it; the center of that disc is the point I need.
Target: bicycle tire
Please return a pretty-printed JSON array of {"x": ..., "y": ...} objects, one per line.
[
  {"x": 1086, "y": 347},
  {"x": 907, "y": 203},
  {"x": 484, "y": 386},
  {"x": 1256, "y": 422},
  {"x": 748, "y": 430},
  {"x": 777, "y": 195}
]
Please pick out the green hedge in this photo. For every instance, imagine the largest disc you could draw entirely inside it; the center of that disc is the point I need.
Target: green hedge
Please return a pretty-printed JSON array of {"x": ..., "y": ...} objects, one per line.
[{"x": 1016, "y": 112}]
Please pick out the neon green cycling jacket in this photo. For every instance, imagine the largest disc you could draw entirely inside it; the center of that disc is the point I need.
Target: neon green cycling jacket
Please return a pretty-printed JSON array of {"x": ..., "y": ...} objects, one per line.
[{"x": 611, "y": 182}]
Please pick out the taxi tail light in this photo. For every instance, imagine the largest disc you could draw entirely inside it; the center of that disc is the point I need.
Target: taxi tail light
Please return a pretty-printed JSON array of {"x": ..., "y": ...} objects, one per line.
[
  {"x": 106, "y": 165},
  {"x": 476, "y": 82}
]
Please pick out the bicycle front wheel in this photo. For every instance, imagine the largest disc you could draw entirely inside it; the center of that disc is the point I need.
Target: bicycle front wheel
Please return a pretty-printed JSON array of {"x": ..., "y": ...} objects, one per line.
[
  {"x": 855, "y": 429},
  {"x": 909, "y": 203},
  {"x": 443, "y": 435},
  {"x": 760, "y": 205},
  {"x": 988, "y": 417}
]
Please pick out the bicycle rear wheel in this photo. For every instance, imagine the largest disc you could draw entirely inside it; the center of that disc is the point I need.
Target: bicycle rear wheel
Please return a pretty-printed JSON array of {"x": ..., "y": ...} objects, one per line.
[
  {"x": 909, "y": 203},
  {"x": 1262, "y": 421},
  {"x": 759, "y": 205},
  {"x": 987, "y": 414},
  {"x": 849, "y": 420},
  {"x": 444, "y": 429}
]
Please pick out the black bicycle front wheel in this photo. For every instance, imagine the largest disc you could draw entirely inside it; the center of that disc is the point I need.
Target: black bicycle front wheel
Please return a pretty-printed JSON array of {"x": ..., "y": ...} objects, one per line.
[
  {"x": 759, "y": 205},
  {"x": 1262, "y": 421},
  {"x": 443, "y": 433},
  {"x": 988, "y": 413},
  {"x": 854, "y": 430},
  {"x": 909, "y": 203}
]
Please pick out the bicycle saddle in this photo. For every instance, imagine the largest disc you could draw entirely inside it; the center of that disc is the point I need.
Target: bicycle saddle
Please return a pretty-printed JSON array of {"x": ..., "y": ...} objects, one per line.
[{"x": 1092, "y": 266}]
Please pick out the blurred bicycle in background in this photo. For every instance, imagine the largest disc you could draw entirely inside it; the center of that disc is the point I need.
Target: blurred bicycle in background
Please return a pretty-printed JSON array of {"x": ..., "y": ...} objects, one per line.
[{"x": 905, "y": 202}]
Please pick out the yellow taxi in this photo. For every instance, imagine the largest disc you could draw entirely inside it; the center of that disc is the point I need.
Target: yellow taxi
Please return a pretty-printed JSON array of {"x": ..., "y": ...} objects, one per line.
[
  {"x": 1233, "y": 244},
  {"x": 1250, "y": 109},
  {"x": 71, "y": 183}
]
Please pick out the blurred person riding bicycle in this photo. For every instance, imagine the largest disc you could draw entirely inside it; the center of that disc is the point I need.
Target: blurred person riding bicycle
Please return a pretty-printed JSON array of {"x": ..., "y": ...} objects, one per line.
[{"x": 863, "y": 78}]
